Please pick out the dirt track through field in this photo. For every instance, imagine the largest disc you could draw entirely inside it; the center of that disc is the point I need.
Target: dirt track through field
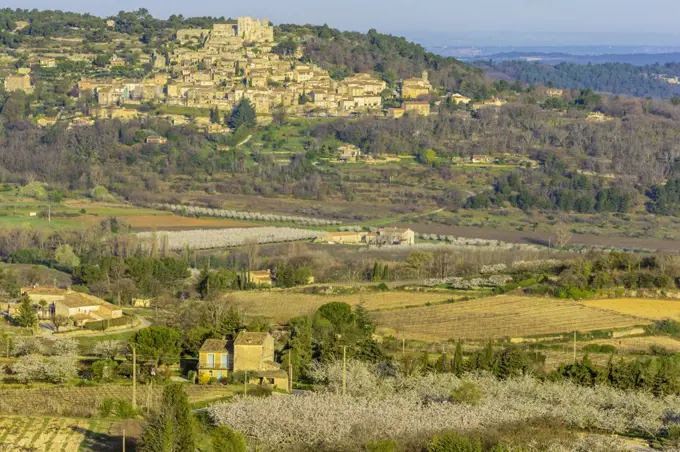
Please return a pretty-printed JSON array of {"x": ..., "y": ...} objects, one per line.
[{"x": 542, "y": 238}]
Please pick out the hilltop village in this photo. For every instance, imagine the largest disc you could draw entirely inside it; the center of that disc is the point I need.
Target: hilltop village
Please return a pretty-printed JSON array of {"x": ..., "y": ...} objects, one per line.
[{"x": 217, "y": 68}]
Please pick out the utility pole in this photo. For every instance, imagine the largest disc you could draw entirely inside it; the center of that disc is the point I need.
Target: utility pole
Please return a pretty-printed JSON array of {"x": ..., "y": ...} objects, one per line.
[
  {"x": 403, "y": 347},
  {"x": 245, "y": 385},
  {"x": 148, "y": 396},
  {"x": 134, "y": 377},
  {"x": 344, "y": 369},
  {"x": 290, "y": 373},
  {"x": 574, "y": 347},
  {"x": 123, "y": 440}
]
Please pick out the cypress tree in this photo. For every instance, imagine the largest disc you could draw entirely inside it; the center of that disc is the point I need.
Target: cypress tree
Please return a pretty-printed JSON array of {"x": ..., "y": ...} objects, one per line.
[
  {"x": 487, "y": 359},
  {"x": 26, "y": 315},
  {"x": 443, "y": 364},
  {"x": 458, "y": 363},
  {"x": 377, "y": 272},
  {"x": 386, "y": 273},
  {"x": 173, "y": 427}
]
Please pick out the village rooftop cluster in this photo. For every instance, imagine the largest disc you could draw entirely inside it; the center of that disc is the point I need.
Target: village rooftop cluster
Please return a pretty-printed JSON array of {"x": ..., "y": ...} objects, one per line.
[{"x": 217, "y": 68}]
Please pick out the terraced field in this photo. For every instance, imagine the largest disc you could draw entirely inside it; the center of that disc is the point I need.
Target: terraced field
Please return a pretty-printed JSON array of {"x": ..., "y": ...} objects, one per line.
[
  {"x": 638, "y": 344},
  {"x": 52, "y": 434},
  {"x": 499, "y": 317},
  {"x": 640, "y": 307},
  {"x": 279, "y": 306},
  {"x": 85, "y": 401}
]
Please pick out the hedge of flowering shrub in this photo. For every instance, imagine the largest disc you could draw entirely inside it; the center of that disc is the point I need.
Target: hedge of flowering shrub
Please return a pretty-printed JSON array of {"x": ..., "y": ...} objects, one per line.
[
  {"x": 220, "y": 238},
  {"x": 402, "y": 409}
]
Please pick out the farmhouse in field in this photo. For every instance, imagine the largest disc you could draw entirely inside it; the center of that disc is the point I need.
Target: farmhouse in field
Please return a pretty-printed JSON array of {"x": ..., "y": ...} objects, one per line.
[
  {"x": 383, "y": 236},
  {"x": 79, "y": 307},
  {"x": 349, "y": 153},
  {"x": 155, "y": 139},
  {"x": 480, "y": 158},
  {"x": 249, "y": 352},
  {"x": 396, "y": 236},
  {"x": 261, "y": 277}
]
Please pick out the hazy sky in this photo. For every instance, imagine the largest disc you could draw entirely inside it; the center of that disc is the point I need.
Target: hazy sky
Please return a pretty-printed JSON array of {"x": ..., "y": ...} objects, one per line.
[{"x": 410, "y": 17}]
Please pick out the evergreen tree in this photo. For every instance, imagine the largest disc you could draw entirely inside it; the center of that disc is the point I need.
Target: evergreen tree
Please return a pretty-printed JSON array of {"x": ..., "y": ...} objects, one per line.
[
  {"x": 215, "y": 115},
  {"x": 386, "y": 273},
  {"x": 377, "y": 271},
  {"x": 225, "y": 439},
  {"x": 443, "y": 364},
  {"x": 173, "y": 427},
  {"x": 243, "y": 115},
  {"x": 458, "y": 364},
  {"x": 300, "y": 348},
  {"x": 26, "y": 315},
  {"x": 229, "y": 324},
  {"x": 487, "y": 359},
  {"x": 511, "y": 363},
  {"x": 424, "y": 362}
]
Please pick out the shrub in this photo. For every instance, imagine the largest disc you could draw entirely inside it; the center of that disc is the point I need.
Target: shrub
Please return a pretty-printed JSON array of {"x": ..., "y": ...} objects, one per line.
[
  {"x": 125, "y": 410},
  {"x": 225, "y": 439},
  {"x": 100, "y": 193},
  {"x": 106, "y": 408},
  {"x": 34, "y": 190},
  {"x": 204, "y": 379},
  {"x": 29, "y": 345},
  {"x": 65, "y": 347},
  {"x": 104, "y": 369},
  {"x": 382, "y": 287},
  {"x": 386, "y": 445},
  {"x": 453, "y": 442},
  {"x": 467, "y": 393},
  {"x": 599, "y": 348}
]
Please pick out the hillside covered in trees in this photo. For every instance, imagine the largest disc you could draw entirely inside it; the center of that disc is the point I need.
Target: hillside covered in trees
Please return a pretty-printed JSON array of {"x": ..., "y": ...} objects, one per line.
[
  {"x": 614, "y": 78},
  {"x": 395, "y": 58}
]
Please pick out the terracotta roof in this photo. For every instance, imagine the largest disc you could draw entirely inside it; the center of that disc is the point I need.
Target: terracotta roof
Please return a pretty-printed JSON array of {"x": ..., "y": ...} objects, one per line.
[
  {"x": 81, "y": 300},
  {"x": 247, "y": 338},
  {"x": 43, "y": 290},
  {"x": 214, "y": 345}
]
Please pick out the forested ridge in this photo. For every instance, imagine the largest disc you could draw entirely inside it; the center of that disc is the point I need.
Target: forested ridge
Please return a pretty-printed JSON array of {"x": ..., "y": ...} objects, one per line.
[
  {"x": 614, "y": 78},
  {"x": 393, "y": 57}
]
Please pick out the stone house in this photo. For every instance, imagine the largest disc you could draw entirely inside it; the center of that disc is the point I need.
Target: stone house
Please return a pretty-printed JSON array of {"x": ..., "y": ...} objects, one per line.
[
  {"x": 418, "y": 108},
  {"x": 345, "y": 238},
  {"x": 396, "y": 236},
  {"x": 395, "y": 112},
  {"x": 413, "y": 88},
  {"x": 156, "y": 139},
  {"x": 553, "y": 92},
  {"x": 480, "y": 158},
  {"x": 261, "y": 277},
  {"x": 18, "y": 82},
  {"x": 47, "y": 62},
  {"x": 117, "y": 62},
  {"x": 349, "y": 153},
  {"x": 460, "y": 99},
  {"x": 249, "y": 352},
  {"x": 79, "y": 307}
]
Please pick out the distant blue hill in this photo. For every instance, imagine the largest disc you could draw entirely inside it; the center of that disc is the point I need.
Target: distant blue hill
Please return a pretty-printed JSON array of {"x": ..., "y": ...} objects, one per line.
[{"x": 638, "y": 59}]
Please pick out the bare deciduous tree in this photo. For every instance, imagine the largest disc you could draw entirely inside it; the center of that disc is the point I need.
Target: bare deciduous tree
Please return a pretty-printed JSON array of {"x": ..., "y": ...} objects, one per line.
[{"x": 562, "y": 236}]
